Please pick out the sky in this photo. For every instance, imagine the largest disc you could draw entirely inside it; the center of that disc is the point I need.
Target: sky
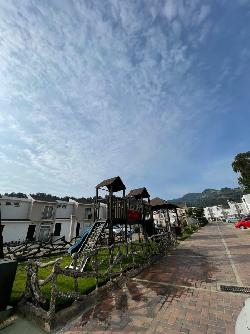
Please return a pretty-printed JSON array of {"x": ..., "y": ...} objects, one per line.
[{"x": 155, "y": 91}]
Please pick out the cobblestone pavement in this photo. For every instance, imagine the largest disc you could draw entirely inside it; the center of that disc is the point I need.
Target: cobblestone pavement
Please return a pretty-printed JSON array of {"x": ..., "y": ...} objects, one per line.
[{"x": 181, "y": 292}]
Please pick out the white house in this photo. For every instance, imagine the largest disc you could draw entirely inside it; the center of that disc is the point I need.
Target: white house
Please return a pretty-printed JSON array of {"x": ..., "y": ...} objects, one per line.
[
  {"x": 65, "y": 213},
  {"x": 84, "y": 216},
  {"x": 15, "y": 213},
  {"x": 246, "y": 202},
  {"x": 237, "y": 209},
  {"x": 26, "y": 219},
  {"x": 160, "y": 218},
  {"x": 33, "y": 219},
  {"x": 215, "y": 212},
  {"x": 42, "y": 215},
  {"x": 73, "y": 218}
]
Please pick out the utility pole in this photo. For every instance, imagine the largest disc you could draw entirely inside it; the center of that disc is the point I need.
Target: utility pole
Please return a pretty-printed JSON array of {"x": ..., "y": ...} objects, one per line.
[{"x": 1, "y": 237}]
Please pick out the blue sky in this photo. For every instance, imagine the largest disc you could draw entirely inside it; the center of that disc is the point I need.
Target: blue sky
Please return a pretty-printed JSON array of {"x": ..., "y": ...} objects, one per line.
[{"x": 156, "y": 91}]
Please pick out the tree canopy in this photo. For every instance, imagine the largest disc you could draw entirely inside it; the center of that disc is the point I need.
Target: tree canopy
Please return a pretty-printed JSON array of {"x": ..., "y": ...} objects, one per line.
[
  {"x": 241, "y": 164},
  {"x": 13, "y": 194}
]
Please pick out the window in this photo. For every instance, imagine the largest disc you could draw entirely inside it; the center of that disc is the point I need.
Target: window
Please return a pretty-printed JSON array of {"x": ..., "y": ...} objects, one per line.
[
  {"x": 7, "y": 203},
  {"x": 57, "y": 230},
  {"x": 48, "y": 212},
  {"x": 17, "y": 204},
  {"x": 59, "y": 205},
  {"x": 64, "y": 206},
  {"x": 88, "y": 213}
]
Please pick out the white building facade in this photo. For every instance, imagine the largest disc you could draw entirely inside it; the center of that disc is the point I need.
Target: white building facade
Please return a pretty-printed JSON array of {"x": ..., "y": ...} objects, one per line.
[
  {"x": 15, "y": 213},
  {"x": 30, "y": 219},
  {"x": 215, "y": 212},
  {"x": 237, "y": 209},
  {"x": 246, "y": 202}
]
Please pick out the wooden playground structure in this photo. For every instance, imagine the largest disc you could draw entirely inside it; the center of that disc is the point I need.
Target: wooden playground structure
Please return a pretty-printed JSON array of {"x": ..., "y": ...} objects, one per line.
[
  {"x": 97, "y": 261},
  {"x": 125, "y": 210}
]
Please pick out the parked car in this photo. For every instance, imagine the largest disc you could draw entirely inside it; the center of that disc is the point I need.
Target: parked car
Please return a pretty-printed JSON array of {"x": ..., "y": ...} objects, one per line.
[
  {"x": 118, "y": 231},
  {"x": 232, "y": 220},
  {"x": 243, "y": 223},
  {"x": 245, "y": 217}
]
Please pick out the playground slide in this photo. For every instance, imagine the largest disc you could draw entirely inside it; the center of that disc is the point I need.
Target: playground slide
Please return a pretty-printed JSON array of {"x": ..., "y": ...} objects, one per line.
[{"x": 74, "y": 248}]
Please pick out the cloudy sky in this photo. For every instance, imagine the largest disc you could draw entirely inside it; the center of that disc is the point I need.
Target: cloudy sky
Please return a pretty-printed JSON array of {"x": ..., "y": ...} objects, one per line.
[{"x": 156, "y": 91}]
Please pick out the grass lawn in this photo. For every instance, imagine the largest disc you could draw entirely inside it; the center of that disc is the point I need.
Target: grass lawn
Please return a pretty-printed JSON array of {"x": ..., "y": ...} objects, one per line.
[{"x": 65, "y": 283}]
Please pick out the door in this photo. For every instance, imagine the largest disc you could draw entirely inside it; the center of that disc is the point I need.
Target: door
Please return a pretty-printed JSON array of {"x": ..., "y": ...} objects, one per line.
[
  {"x": 77, "y": 229},
  {"x": 44, "y": 233},
  {"x": 31, "y": 232}
]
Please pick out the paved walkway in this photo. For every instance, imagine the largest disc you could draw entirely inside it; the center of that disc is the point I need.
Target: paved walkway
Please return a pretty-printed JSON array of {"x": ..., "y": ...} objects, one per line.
[{"x": 181, "y": 292}]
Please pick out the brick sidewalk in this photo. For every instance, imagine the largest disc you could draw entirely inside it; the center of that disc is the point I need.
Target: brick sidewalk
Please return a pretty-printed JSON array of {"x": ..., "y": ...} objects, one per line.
[{"x": 181, "y": 292}]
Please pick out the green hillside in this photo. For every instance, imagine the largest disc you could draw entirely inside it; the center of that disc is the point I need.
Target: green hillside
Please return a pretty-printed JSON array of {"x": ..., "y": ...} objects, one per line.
[{"x": 210, "y": 197}]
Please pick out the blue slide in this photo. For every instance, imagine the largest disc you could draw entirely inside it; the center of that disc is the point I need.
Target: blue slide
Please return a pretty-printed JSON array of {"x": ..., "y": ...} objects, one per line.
[{"x": 74, "y": 248}]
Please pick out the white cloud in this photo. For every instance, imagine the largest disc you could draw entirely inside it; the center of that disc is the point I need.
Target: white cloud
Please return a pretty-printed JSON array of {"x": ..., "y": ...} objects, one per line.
[
  {"x": 170, "y": 9},
  {"x": 203, "y": 13},
  {"x": 89, "y": 92}
]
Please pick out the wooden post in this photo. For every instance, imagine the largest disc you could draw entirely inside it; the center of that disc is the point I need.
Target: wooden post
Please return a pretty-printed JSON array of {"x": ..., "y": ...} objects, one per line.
[
  {"x": 111, "y": 217},
  {"x": 1, "y": 237},
  {"x": 125, "y": 212}
]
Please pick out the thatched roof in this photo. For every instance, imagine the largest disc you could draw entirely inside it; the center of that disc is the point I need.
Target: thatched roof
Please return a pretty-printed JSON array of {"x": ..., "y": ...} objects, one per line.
[
  {"x": 159, "y": 203},
  {"x": 115, "y": 183},
  {"x": 139, "y": 193}
]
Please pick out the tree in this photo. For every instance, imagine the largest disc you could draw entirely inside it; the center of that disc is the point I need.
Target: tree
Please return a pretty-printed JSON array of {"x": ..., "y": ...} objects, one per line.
[
  {"x": 13, "y": 194},
  {"x": 197, "y": 214},
  {"x": 241, "y": 164}
]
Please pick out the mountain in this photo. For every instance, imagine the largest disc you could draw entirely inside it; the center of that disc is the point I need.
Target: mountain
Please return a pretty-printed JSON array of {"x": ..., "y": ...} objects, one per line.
[{"x": 210, "y": 197}]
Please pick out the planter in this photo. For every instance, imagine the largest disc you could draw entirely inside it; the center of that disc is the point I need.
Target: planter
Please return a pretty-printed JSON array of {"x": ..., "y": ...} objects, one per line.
[{"x": 7, "y": 275}]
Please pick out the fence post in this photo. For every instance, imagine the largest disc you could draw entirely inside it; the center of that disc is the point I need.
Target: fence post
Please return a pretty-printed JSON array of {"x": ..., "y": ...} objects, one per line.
[{"x": 53, "y": 295}]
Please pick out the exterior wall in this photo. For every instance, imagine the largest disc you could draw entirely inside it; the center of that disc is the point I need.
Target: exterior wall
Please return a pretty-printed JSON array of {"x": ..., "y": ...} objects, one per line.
[
  {"x": 31, "y": 212},
  {"x": 64, "y": 210},
  {"x": 103, "y": 211},
  {"x": 15, "y": 231},
  {"x": 37, "y": 209},
  {"x": 237, "y": 208},
  {"x": 79, "y": 212},
  {"x": 207, "y": 213},
  {"x": 15, "y": 212},
  {"x": 215, "y": 212},
  {"x": 218, "y": 212},
  {"x": 243, "y": 209},
  {"x": 246, "y": 202},
  {"x": 85, "y": 220},
  {"x": 44, "y": 229},
  {"x": 160, "y": 217},
  {"x": 65, "y": 228},
  {"x": 82, "y": 228}
]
